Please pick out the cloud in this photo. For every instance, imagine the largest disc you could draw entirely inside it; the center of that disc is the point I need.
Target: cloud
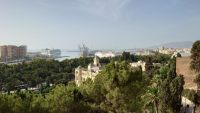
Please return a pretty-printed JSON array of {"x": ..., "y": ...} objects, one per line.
[{"x": 108, "y": 9}]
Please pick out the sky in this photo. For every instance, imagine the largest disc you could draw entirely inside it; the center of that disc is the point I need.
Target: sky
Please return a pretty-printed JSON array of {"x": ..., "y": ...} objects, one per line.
[{"x": 99, "y": 24}]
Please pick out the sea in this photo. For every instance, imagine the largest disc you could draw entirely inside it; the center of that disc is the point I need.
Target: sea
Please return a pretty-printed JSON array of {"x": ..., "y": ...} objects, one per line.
[
  {"x": 64, "y": 54},
  {"x": 68, "y": 55}
]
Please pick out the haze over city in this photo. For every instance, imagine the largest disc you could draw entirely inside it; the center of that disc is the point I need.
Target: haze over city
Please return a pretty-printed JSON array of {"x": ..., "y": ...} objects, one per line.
[
  {"x": 100, "y": 24},
  {"x": 99, "y": 56}
]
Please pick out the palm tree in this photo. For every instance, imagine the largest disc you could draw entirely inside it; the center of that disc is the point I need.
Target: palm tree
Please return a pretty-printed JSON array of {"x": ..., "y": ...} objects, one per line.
[{"x": 152, "y": 97}]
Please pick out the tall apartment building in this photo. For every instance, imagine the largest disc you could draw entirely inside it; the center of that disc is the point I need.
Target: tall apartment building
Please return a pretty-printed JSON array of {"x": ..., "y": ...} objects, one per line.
[
  {"x": 12, "y": 52},
  {"x": 22, "y": 51},
  {"x": 3, "y": 51}
]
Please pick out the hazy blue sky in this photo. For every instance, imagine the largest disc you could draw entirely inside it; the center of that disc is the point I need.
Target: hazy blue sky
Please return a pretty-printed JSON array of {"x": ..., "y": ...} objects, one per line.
[{"x": 100, "y": 24}]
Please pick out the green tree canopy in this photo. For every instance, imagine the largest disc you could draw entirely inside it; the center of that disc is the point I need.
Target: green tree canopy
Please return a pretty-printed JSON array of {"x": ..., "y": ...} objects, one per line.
[
  {"x": 118, "y": 88},
  {"x": 195, "y": 56}
]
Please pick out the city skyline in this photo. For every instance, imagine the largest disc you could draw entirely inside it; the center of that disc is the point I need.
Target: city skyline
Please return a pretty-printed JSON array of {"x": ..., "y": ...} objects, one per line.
[{"x": 100, "y": 24}]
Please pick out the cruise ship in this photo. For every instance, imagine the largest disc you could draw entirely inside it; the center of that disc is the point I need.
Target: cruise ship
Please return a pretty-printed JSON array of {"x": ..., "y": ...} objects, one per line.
[{"x": 54, "y": 53}]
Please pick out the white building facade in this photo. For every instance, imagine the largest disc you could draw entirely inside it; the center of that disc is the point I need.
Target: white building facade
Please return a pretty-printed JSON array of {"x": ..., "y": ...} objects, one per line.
[
  {"x": 82, "y": 74},
  {"x": 105, "y": 54},
  {"x": 138, "y": 64}
]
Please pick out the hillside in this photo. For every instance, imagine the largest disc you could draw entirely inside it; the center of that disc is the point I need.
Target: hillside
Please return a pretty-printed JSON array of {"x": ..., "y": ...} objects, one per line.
[
  {"x": 184, "y": 44},
  {"x": 183, "y": 67}
]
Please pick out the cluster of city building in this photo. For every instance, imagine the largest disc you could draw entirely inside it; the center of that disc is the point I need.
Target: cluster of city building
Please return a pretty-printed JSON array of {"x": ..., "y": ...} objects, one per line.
[
  {"x": 163, "y": 50},
  {"x": 85, "y": 52},
  {"x": 182, "y": 51},
  {"x": 144, "y": 52},
  {"x": 12, "y": 52},
  {"x": 82, "y": 74},
  {"x": 102, "y": 54}
]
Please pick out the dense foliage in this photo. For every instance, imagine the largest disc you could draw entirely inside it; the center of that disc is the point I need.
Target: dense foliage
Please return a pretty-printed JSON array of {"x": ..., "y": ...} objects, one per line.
[
  {"x": 32, "y": 74},
  {"x": 118, "y": 88},
  {"x": 195, "y": 65},
  {"x": 195, "y": 56},
  {"x": 171, "y": 89}
]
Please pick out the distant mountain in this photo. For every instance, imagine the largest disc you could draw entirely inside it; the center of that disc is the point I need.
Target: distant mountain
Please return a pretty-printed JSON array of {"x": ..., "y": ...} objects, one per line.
[{"x": 185, "y": 44}]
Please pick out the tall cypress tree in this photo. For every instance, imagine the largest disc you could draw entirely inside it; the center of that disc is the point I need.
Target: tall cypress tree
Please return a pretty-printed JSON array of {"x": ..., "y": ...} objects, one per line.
[{"x": 195, "y": 65}]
